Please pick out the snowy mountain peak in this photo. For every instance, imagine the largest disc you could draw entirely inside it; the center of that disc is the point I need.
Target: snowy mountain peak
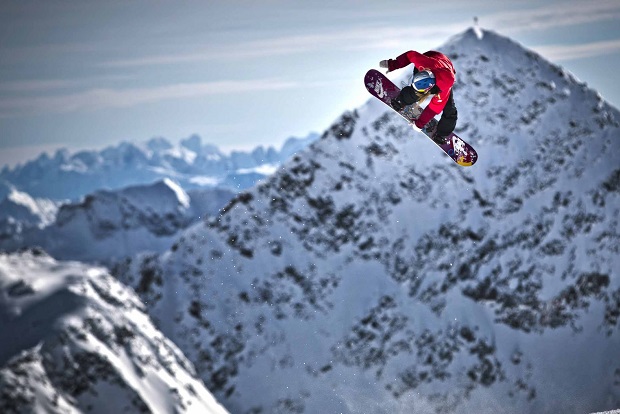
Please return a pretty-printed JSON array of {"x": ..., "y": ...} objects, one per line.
[
  {"x": 20, "y": 207},
  {"x": 495, "y": 52},
  {"x": 372, "y": 274},
  {"x": 76, "y": 340},
  {"x": 109, "y": 225},
  {"x": 182, "y": 196},
  {"x": 158, "y": 144},
  {"x": 160, "y": 197},
  {"x": 478, "y": 31},
  {"x": 193, "y": 143},
  {"x": 474, "y": 39}
]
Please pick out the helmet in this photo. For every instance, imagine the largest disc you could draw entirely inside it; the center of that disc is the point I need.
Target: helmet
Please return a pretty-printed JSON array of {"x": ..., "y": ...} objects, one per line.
[{"x": 423, "y": 81}]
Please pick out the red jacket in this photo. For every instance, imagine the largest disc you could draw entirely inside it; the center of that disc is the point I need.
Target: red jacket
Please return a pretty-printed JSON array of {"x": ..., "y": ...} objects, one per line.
[{"x": 444, "y": 72}]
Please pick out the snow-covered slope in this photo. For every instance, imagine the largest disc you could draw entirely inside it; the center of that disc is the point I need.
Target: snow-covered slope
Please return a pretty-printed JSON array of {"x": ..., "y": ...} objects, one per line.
[
  {"x": 19, "y": 212},
  {"x": 75, "y": 340},
  {"x": 372, "y": 274},
  {"x": 109, "y": 225},
  {"x": 191, "y": 163},
  {"x": 20, "y": 206}
]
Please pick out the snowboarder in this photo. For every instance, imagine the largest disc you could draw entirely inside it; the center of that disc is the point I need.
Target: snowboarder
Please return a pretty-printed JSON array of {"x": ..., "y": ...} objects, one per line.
[{"x": 433, "y": 74}]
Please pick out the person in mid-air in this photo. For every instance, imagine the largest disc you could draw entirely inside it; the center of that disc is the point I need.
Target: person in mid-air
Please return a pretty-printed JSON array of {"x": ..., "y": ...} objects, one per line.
[{"x": 433, "y": 74}]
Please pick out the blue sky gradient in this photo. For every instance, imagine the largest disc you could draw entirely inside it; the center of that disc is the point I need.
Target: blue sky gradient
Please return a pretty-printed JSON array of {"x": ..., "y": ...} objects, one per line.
[{"x": 245, "y": 73}]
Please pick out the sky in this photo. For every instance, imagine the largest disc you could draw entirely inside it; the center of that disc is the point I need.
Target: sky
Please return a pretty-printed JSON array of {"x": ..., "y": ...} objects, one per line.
[{"x": 88, "y": 74}]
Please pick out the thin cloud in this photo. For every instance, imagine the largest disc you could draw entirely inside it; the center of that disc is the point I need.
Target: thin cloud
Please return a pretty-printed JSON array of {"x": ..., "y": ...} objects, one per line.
[
  {"x": 50, "y": 85},
  {"x": 585, "y": 50},
  {"x": 253, "y": 49},
  {"x": 96, "y": 99},
  {"x": 552, "y": 16},
  {"x": 36, "y": 85},
  {"x": 541, "y": 18},
  {"x": 351, "y": 39}
]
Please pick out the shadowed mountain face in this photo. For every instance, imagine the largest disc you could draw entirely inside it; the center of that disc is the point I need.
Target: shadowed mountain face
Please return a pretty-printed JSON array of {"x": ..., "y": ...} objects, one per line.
[{"x": 371, "y": 274}]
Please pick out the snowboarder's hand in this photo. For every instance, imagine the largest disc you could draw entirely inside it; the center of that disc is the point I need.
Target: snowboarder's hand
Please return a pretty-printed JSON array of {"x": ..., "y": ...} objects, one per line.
[
  {"x": 415, "y": 128},
  {"x": 385, "y": 64},
  {"x": 397, "y": 104}
]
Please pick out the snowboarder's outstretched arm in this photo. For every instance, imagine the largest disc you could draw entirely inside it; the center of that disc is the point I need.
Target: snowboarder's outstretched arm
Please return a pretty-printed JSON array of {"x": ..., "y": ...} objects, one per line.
[{"x": 418, "y": 59}]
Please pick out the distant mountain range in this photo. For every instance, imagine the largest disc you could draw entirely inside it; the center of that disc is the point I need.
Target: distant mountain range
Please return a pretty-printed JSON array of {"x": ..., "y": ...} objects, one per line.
[
  {"x": 107, "y": 225},
  {"x": 191, "y": 163},
  {"x": 105, "y": 205}
]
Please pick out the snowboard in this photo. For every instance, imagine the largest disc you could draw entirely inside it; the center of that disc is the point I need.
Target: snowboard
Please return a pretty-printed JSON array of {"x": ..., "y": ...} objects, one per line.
[{"x": 455, "y": 147}]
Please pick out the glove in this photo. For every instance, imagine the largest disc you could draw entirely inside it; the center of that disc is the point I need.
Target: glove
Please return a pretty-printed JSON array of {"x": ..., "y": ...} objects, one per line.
[
  {"x": 385, "y": 64},
  {"x": 408, "y": 95},
  {"x": 415, "y": 128},
  {"x": 397, "y": 104}
]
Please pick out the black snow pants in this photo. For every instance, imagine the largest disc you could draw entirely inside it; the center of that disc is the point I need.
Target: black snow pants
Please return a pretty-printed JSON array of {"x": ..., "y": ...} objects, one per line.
[{"x": 447, "y": 122}]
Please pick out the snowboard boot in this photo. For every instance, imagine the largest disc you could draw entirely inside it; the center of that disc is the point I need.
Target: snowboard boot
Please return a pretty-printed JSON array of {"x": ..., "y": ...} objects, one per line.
[
  {"x": 397, "y": 104},
  {"x": 439, "y": 139}
]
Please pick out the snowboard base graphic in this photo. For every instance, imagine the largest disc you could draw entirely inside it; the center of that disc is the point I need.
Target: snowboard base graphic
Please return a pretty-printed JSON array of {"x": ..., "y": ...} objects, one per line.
[{"x": 383, "y": 89}]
